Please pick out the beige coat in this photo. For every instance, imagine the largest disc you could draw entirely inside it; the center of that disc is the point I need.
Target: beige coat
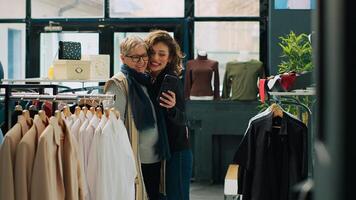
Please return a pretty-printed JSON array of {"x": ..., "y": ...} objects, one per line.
[
  {"x": 8, "y": 158},
  {"x": 120, "y": 81},
  {"x": 57, "y": 172},
  {"x": 25, "y": 155}
]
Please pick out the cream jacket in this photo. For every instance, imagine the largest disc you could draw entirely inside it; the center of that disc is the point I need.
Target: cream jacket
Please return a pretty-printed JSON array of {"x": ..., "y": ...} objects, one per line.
[
  {"x": 8, "y": 158},
  {"x": 57, "y": 172},
  {"x": 25, "y": 155}
]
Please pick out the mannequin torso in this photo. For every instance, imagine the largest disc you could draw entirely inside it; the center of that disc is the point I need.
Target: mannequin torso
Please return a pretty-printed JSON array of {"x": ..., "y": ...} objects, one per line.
[
  {"x": 240, "y": 80},
  {"x": 199, "y": 74}
]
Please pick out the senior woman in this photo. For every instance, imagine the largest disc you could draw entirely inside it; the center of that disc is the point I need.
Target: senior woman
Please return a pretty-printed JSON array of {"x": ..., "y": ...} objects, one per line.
[{"x": 144, "y": 122}]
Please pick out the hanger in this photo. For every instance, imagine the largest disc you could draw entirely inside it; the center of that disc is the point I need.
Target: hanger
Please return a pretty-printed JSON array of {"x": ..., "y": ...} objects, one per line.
[
  {"x": 85, "y": 108},
  {"x": 117, "y": 113},
  {"x": 18, "y": 107},
  {"x": 27, "y": 117},
  {"x": 77, "y": 111},
  {"x": 32, "y": 107},
  {"x": 58, "y": 116},
  {"x": 43, "y": 107},
  {"x": 99, "y": 112},
  {"x": 33, "y": 110},
  {"x": 277, "y": 112},
  {"x": 107, "y": 112},
  {"x": 66, "y": 111},
  {"x": 43, "y": 116},
  {"x": 42, "y": 113},
  {"x": 92, "y": 110}
]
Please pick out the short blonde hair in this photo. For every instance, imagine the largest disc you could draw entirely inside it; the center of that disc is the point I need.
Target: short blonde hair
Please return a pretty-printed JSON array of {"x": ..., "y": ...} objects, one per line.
[{"x": 130, "y": 43}]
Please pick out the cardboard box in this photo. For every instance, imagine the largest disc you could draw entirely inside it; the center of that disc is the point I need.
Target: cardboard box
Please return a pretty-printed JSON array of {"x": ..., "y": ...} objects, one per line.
[
  {"x": 100, "y": 66},
  {"x": 71, "y": 70}
]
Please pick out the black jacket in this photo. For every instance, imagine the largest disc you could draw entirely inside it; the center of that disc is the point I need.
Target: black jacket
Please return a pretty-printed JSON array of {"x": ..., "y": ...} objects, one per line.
[
  {"x": 271, "y": 160},
  {"x": 175, "y": 117}
]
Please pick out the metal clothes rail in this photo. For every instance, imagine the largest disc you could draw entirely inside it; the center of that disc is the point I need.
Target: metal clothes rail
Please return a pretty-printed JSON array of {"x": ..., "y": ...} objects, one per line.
[
  {"x": 61, "y": 97},
  {"x": 50, "y": 82}
]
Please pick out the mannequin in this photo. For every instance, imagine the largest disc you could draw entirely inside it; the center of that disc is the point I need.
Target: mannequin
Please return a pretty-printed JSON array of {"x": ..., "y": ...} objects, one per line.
[
  {"x": 198, "y": 77},
  {"x": 202, "y": 53},
  {"x": 240, "y": 79}
]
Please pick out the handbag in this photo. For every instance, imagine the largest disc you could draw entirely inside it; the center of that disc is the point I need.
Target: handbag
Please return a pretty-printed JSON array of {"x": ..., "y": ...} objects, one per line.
[{"x": 69, "y": 50}]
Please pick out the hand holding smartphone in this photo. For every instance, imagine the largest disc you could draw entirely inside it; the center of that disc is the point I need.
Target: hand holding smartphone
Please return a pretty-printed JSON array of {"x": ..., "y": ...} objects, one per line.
[{"x": 169, "y": 83}]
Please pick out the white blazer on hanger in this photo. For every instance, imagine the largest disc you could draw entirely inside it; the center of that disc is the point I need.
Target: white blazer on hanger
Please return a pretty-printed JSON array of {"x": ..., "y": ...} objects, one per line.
[{"x": 117, "y": 169}]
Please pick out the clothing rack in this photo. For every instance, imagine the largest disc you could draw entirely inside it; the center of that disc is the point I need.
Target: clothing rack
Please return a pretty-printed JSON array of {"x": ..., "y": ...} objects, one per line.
[
  {"x": 9, "y": 88},
  {"x": 289, "y": 98},
  {"x": 61, "y": 97},
  {"x": 39, "y": 88}
]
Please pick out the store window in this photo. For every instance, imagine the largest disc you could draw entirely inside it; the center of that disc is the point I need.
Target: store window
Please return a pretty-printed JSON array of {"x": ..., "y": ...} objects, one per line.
[
  {"x": 67, "y": 8},
  {"x": 146, "y": 8},
  {"x": 49, "y": 50},
  {"x": 18, "y": 11},
  {"x": 227, "y": 41},
  {"x": 227, "y": 8},
  {"x": 13, "y": 50},
  {"x": 118, "y": 37}
]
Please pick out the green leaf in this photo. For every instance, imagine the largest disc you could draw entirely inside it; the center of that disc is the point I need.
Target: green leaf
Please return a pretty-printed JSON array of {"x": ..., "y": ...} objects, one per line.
[{"x": 296, "y": 53}]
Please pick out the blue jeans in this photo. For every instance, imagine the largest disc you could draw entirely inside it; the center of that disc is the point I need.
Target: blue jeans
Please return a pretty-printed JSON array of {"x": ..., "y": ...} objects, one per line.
[{"x": 178, "y": 174}]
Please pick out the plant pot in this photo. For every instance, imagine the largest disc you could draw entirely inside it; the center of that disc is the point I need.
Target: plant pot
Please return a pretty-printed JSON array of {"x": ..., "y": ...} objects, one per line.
[{"x": 303, "y": 80}]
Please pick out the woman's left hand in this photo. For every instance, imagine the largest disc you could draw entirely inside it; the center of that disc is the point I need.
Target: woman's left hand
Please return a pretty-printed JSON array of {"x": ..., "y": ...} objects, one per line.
[{"x": 168, "y": 100}]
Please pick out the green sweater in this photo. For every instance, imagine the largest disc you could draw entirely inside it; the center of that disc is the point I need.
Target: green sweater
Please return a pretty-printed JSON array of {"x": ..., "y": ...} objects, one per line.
[{"x": 240, "y": 80}]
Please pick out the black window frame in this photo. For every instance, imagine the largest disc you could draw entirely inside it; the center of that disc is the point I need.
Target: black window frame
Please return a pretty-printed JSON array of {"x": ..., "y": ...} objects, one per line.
[{"x": 183, "y": 29}]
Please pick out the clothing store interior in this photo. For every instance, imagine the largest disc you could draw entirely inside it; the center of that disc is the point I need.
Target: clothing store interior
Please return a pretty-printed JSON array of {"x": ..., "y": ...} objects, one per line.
[{"x": 177, "y": 100}]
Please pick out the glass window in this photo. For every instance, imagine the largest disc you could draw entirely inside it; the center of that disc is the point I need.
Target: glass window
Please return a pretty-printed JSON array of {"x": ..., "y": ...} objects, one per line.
[
  {"x": 227, "y": 8},
  {"x": 227, "y": 41},
  {"x": 67, "y": 8},
  {"x": 18, "y": 12},
  {"x": 146, "y": 8},
  {"x": 294, "y": 4},
  {"x": 13, "y": 50},
  {"x": 49, "y": 50},
  {"x": 118, "y": 37}
]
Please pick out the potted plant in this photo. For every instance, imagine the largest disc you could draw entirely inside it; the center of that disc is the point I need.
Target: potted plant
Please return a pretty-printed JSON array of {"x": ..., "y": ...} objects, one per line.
[{"x": 297, "y": 58}]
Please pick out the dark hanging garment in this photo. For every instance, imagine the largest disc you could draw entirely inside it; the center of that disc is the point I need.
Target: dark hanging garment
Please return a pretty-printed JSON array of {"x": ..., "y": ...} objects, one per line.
[
  {"x": 272, "y": 160},
  {"x": 14, "y": 116},
  {"x": 33, "y": 113}
]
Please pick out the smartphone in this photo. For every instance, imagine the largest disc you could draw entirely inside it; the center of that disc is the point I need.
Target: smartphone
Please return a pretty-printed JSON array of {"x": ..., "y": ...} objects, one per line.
[{"x": 169, "y": 83}]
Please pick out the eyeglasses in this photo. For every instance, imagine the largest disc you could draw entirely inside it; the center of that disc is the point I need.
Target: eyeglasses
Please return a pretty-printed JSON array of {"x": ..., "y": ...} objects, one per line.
[{"x": 137, "y": 59}]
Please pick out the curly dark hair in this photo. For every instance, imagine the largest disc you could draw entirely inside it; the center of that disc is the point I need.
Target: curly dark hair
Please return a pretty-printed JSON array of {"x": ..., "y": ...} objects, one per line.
[{"x": 175, "y": 52}]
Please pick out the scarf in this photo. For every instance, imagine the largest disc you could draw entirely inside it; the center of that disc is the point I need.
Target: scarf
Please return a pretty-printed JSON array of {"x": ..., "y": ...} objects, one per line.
[
  {"x": 140, "y": 103},
  {"x": 160, "y": 113}
]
